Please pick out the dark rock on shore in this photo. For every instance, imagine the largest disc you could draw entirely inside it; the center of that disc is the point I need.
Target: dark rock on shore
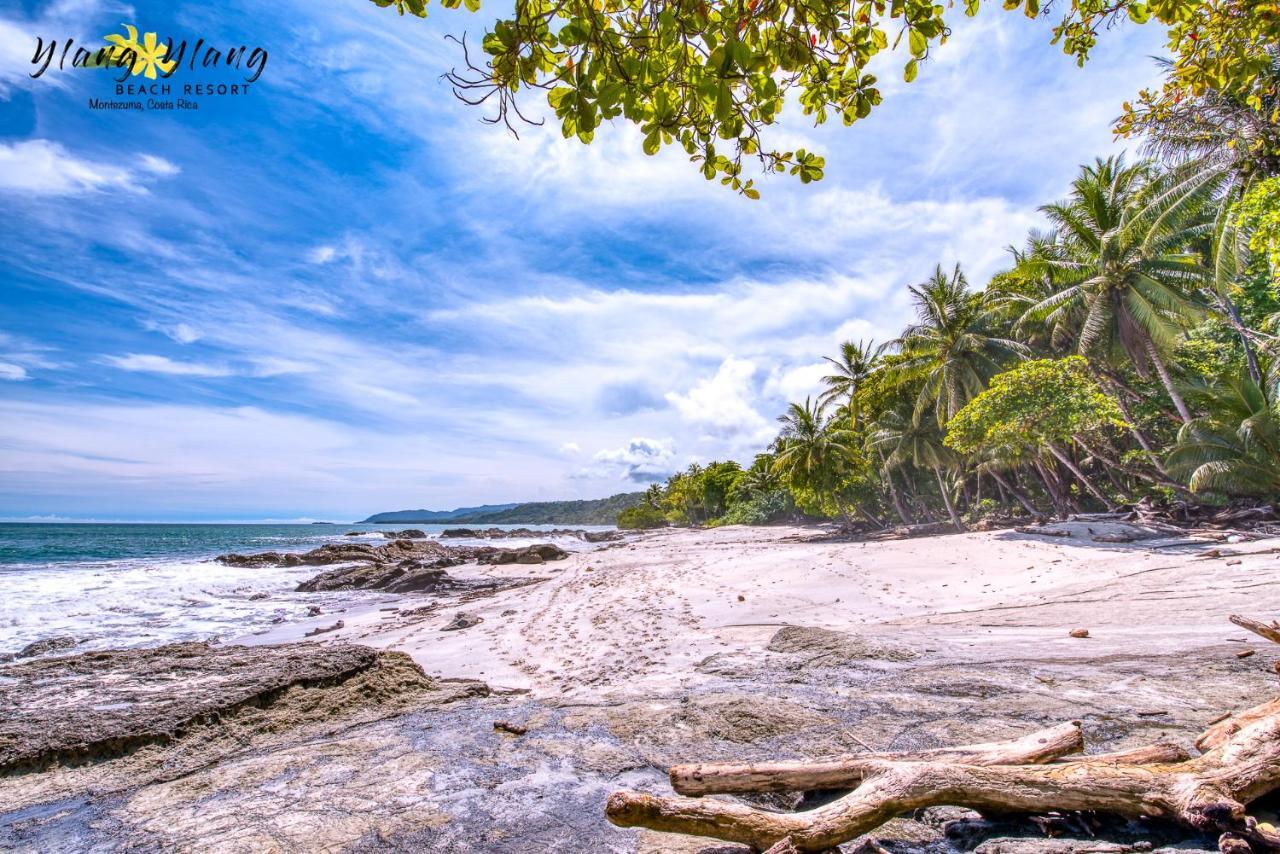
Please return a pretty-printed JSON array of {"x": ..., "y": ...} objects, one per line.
[
  {"x": 601, "y": 536},
  {"x": 540, "y": 553},
  {"x": 406, "y": 534},
  {"x": 462, "y": 620}
]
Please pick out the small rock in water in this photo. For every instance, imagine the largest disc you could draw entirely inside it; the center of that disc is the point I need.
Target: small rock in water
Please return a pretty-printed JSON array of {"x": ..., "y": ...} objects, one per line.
[
  {"x": 46, "y": 646},
  {"x": 1079, "y": 633},
  {"x": 741, "y": 598},
  {"x": 510, "y": 612},
  {"x": 462, "y": 620},
  {"x": 313, "y": 611}
]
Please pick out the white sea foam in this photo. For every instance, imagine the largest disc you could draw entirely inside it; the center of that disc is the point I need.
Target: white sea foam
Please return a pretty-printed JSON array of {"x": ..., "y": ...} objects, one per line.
[
  {"x": 130, "y": 603},
  {"x": 145, "y": 601}
]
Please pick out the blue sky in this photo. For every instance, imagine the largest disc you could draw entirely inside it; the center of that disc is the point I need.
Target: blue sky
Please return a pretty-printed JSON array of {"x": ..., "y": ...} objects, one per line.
[{"x": 342, "y": 293}]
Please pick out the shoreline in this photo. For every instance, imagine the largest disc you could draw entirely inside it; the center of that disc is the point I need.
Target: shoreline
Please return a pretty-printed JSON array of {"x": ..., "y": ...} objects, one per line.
[{"x": 629, "y": 658}]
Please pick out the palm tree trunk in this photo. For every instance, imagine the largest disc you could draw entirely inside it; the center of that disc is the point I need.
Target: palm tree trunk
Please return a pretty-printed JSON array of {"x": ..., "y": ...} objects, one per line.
[
  {"x": 946, "y": 499},
  {"x": 1163, "y": 371},
  {"x": 1093, "y": 490},
  {"x": 1138, "y": 434},
  {"x": 1016, "y": 493},
  {"x": 1242, "y": 331}
]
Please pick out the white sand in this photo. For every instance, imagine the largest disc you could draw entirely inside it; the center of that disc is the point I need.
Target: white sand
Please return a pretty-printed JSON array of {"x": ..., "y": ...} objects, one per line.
[{"x": 641, "y": 616}]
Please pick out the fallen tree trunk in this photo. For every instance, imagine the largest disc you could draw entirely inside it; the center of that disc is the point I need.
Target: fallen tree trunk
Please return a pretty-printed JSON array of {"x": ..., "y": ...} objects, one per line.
[
  {"x": 846, "y": 772},
  {"x": 1207, "y": 793}
]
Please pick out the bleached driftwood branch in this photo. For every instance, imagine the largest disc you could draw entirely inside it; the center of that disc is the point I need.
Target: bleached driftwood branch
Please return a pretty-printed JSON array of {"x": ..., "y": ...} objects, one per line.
[{"x": 1207, "y": 793}]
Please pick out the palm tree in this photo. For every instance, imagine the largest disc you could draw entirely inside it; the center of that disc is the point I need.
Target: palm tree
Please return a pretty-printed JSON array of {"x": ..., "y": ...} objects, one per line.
[
  {"x": 759, "y": 479},
  {"x": 851, "y": 369},
  {"x": 1120, "y": 261},
  {"x": 815, "y": 451},
  {"x": 908, "y": 440},
  {"x": 950, "y": 348},
  {"x": 1235, "y": 449}
]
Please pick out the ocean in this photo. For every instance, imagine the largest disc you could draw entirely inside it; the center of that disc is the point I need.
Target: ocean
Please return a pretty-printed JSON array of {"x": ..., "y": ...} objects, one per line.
[{"x": 116, "y": 585}]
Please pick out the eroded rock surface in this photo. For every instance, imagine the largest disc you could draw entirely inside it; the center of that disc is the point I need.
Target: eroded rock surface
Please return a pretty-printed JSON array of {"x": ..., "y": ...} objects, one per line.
[{"x": 100, "y": 704}]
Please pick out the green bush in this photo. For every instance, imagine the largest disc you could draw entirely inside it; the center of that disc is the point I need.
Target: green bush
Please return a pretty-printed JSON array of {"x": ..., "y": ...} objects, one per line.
[
  {"x": 757, "y": 510},
  {"x": 641, "y": 516}
]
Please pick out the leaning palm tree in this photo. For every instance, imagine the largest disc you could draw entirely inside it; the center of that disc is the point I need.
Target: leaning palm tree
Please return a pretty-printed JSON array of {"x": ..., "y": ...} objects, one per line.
[
  {"x": 952, "y": 348},
  {"x": 815, "y": 451},
  {"x": 1122, "y": 267},
  {"x": 850, "y": 371}
]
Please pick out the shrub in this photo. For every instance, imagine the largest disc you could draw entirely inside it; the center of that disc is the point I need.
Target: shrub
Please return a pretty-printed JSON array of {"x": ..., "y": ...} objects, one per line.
[{"x": 641, "y": 516}]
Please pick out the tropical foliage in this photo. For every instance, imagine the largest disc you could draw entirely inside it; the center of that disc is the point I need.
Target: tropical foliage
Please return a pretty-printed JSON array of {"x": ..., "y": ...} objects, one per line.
[
  {"x": 1129, "y": 350},
  {"x": 711, "y": 77}
]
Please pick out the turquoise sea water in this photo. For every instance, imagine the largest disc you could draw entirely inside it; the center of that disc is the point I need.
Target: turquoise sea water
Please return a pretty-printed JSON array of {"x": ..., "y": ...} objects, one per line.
[{"x": 131, "y": 584}]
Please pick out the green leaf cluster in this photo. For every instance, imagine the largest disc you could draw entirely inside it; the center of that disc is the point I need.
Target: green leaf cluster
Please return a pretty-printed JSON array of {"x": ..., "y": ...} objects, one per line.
[{"x": 1040, "y": 401}]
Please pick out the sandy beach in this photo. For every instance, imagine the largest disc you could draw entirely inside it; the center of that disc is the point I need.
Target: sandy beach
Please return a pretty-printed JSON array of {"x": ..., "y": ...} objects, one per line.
[{"x": 645, "y": 614}]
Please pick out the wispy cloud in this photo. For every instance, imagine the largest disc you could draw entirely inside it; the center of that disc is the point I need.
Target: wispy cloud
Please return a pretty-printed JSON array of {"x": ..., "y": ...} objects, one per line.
[
  {"x": 164, "y": 365},
  {"x": 42, "y": 167}
]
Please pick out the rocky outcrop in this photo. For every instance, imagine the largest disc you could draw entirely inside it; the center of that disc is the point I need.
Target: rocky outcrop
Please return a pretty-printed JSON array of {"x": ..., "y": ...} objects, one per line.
[
  {"x": 540, "y": 553},
  {"x": 96, "y": 705},
  {"x": 406, "y": 534},
  {"x": 408, "y": 576},
  {"x": 427, "y": 551}
]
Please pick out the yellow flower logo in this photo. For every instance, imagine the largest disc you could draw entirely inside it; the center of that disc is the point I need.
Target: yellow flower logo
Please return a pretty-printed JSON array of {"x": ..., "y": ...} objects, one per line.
[{"x": 147, "y": 57}]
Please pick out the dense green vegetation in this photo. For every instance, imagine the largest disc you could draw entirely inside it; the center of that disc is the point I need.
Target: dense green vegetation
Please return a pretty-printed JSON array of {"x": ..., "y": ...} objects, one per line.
[
  {"x": 712, "y": 76},
  {"x": 1131, "y": 350}
]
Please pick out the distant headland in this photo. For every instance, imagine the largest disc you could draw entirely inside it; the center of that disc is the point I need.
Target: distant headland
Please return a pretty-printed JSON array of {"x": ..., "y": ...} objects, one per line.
[{"x": 599, "y": 511}]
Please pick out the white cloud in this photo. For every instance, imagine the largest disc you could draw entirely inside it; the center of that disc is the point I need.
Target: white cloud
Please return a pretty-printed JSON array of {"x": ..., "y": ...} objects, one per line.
[
  {"x": 800, "y": 382},
  {"x": 639, "y": 461},
  {"x": 151, "y": 364},
  {"x": 322, "y": 254},
  {"x": 46, "y": 168},
  {"x": 159, "y": 166},
  {"x": 183, "y": 333},
  {"x": 722, "y": 403},
  {"x": 13, "y": 372}
]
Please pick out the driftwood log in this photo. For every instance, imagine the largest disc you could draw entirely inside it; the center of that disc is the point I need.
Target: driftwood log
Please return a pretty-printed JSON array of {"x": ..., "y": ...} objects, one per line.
[
  {"x": 1208, "y": 793},
  {"x": 1270, "y": 632}
]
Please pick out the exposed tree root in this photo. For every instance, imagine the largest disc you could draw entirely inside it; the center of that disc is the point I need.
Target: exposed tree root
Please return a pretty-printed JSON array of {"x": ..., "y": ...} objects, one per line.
[{"x": 1207, "y": 793}]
